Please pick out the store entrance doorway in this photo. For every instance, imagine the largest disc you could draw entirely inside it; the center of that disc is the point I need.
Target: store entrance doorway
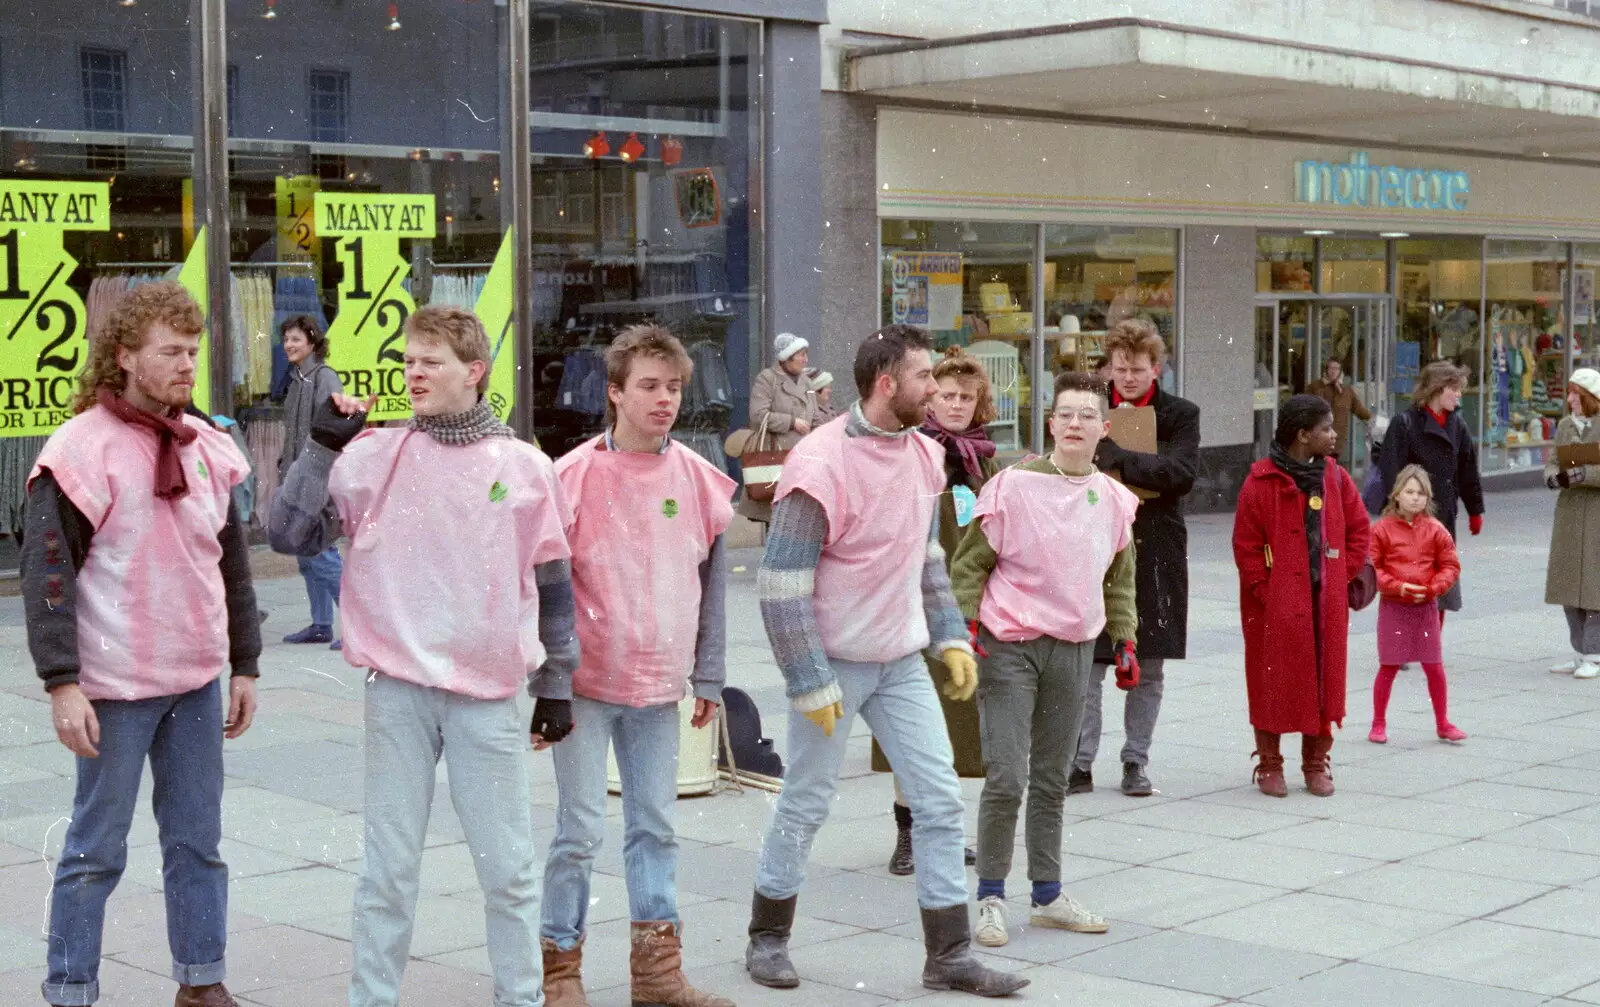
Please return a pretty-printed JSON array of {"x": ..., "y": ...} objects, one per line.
[{"x": 1297, "y": 333}]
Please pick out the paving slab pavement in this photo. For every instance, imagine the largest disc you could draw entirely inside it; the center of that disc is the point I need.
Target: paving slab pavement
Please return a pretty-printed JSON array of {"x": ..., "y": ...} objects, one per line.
[{"x": 1439, "y": 875}]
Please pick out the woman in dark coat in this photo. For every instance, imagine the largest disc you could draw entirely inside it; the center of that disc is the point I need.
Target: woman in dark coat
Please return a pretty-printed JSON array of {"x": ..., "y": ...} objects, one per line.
[
  {"x": 1300, "y": 536},
  {"x": 1432, "y": 434}
]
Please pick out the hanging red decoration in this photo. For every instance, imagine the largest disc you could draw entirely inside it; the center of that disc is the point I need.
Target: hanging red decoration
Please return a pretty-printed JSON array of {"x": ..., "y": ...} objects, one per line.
[
  {"x": 631, "y": 149},
  {"x": 671, "y": 151},
  {"x": 596, "y": 145}
]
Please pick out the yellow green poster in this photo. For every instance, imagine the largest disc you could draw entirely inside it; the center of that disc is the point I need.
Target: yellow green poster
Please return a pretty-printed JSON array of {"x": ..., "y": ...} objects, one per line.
[
  {"x": 297, "y": 233},
  {"x": 494, "y": 311},
  {"x": 193, "y": 278},
  {"x": 42, "y": 319},
  {"x": 366, "y": 341}
]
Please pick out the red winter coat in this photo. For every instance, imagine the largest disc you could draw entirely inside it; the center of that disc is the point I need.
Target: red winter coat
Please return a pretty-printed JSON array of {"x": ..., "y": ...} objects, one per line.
[
  {"x": 1420, "y": 553},
  {"x": 1269, "y": 546}
]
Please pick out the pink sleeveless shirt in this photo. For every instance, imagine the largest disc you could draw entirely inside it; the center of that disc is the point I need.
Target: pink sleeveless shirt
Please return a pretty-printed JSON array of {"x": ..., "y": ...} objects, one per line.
[
  {"x": 641, "y": 526},
  {"x": 438, "y": 585},
  {"x": 152, "y": 608},
  {"x": 880, "y": 495}
]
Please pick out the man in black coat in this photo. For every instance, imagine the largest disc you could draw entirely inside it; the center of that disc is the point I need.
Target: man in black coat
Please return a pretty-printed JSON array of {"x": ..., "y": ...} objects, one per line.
[{"x": 1161, "y": 540}]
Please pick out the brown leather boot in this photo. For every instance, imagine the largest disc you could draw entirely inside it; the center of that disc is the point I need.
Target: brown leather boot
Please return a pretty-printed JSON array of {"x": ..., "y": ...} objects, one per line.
[
  {"x": 214, "y": 995},
  {"x": 1268, "y": 774},
  {"x": 563, "y": 975},
  {"x": 1314, "y": 762},
  {"x": 657, "y": 966}
]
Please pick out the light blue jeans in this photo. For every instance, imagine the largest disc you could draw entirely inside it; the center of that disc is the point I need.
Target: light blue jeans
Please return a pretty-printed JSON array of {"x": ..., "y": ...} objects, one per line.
[
  {"x": 322, "y": 573},
  {"x": 646, "y": 740},
  {"x": 899, "y": 704},
  {"x": 484, "y": 743},
  {"x": 182, "y": 736}
]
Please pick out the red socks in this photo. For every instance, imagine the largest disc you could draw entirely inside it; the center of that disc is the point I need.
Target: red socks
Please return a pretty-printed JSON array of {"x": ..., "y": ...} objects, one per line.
[{"x": 1438, "y": 693}]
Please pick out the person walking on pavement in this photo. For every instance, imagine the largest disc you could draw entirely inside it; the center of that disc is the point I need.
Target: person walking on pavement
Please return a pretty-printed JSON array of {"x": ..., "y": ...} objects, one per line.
[
  {"x": 1300, "y": 536},
  {"x": 136, "y": 585},
  {"x": 1137, "y": 354},
  {"x": 784, "y": 403},
  {"x": 1432, "y": 434},
  {"x": 853, "y": 588},
  {"x": 1575, "y": 532},
  {"x": 1045, "y": 566},
  {"x": 1415, "y": 562},
  {"x": 957, "y": 418},
  {"x": 649, "y": 574},
  {"x": 1331, "y": 389},
  {"x": 435, "y": 512},
  {"x": 311, "y": 383}
]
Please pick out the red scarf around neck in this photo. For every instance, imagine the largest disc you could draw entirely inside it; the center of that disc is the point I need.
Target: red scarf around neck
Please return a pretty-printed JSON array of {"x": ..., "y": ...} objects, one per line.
[
  {"x": 972, "y": 445},
  {"x": 1148, "y": 397},
  {"x": 170, "y": 431}
]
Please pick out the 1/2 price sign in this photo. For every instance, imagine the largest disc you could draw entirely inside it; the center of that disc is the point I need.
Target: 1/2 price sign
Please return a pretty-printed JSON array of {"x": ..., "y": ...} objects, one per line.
[
  {"x": 43, "y": 337},
  {"x": 367, "y": 337}
]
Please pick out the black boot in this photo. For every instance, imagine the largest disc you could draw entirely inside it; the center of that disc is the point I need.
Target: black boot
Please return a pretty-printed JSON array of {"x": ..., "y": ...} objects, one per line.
[
  {"x": 767, "y": 957},
  {"x": 947, "y": 935},
  {"x": 900, "y": 861}
]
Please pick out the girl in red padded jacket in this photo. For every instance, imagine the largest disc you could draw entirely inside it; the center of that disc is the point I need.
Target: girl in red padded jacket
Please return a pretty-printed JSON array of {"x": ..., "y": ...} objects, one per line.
[{"x": 1416, "y": 563}]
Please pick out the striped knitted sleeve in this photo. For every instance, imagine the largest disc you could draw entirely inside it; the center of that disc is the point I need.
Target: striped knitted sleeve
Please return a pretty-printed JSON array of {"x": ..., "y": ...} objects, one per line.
[
  {"x": 947, "y": 628},
  {"x": 785, "y": 585},
  {"x": 558, "y": 631}
]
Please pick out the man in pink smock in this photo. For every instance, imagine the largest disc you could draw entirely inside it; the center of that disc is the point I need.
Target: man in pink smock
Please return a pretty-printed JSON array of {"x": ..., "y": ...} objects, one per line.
[
  {"x": 457, "y": 592},
  {"x": 136, "y": 584},
  {"x": 648, "y": 576},
  {"x": 853, "y": 589}
]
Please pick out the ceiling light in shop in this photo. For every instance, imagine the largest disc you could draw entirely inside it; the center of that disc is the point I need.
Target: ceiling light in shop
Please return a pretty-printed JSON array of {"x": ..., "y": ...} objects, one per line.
[
  {"x": 1394, "y": 234},
  {"x": 1319, "y": 233},
  {"x": 128, "y": 3}
]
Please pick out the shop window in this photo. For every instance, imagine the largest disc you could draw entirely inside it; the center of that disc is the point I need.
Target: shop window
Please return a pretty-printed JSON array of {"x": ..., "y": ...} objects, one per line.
[
  {"x": 1585, "y": 326},
  {"x": 1354, "y": 266},
  {"x": 328, "y": 105},
  {"x": 104, "y": 76},
  {"x": 1285, "y": 263},
  {"x": 656, "y": 224},
  {"x": 1437, "y": 313},
  {"x": 1520, "y": 374},
  {"x": 1095, "y": 277}
]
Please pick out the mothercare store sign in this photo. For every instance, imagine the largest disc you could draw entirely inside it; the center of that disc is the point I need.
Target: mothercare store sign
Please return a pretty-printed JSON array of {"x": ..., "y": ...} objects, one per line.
[{"x": 42, "y": 319}]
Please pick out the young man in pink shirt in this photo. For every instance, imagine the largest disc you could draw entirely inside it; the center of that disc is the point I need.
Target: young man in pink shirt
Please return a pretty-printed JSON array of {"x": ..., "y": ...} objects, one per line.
[
  {"x": 648, "y": 576},
  {"x": 1046, "y": 564},
  {"x": 136, "y": 585},
  {"x": 457, "y": 592},
  {"x": 853, "y": 589}
]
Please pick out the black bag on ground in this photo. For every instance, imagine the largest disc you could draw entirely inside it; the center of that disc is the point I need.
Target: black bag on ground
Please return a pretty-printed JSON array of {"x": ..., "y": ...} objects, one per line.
[{"x": 751, "y": 752}]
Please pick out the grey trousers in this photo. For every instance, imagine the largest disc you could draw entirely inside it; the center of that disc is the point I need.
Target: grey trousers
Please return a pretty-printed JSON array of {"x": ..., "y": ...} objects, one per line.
[
  {"x": 1030, "y": 702},
  {"x": 1584, "y": 624},
  {"x": 1139, "y": 713}
]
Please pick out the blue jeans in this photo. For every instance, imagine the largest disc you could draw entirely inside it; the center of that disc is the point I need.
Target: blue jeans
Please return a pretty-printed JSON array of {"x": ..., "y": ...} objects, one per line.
[
  {"x": 646, "y": 740},
  {"x": 484, "y": 744},
  {"x": 182, "y": 735},
  {"x": 899, "y": 704},
  {"x": 322, "y": 573}
]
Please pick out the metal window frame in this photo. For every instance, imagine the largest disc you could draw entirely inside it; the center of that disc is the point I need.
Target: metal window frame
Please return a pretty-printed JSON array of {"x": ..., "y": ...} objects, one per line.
[{"x": 89, "y": 91}]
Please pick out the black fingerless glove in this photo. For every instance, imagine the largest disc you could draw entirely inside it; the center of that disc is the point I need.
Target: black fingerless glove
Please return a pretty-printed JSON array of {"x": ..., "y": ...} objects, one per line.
[
  {"x": 552, "y": 719},
  {"x": 333, "y": 429}
]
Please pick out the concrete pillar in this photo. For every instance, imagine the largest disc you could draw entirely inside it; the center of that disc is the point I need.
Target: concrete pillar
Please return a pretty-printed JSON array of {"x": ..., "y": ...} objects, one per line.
[{"x": 1219, "y": 356}]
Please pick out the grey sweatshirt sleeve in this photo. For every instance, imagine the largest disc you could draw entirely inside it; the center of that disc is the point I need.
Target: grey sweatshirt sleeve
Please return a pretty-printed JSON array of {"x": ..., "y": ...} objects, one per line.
[
  {"x": 298, "y": 525},
  {"x": 711, "y": 646},
  {"x": 244, "y": 616},
  {"x": 947, "y": 628},
  {"x": 558, "y": 631},
  {"x": 55, "y": 542}
]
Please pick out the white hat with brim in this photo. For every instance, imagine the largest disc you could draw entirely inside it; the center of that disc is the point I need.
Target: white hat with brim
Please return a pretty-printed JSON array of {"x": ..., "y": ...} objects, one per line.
[
  {"x": 1588, "y": 379},
  {"x": 787, "y": 345}
]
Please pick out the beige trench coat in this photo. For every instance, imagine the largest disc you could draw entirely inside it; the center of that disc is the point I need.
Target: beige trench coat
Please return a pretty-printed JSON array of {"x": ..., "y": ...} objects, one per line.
[
  {"x": 778, "y": 399},
  {"x": 1573, "y": 576}
]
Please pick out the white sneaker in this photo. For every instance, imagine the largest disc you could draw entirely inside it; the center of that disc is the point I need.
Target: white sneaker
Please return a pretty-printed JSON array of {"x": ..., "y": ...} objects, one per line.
[
  {"x": 1066, "y": 913},
  {"x": 991, "y": 932},
  {"x": 1565, "y": 667},
  {"x": 1589, "y": 667}
]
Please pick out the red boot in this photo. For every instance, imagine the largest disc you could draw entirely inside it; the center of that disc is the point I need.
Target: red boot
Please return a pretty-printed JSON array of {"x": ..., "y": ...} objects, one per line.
[
  {"x": 1268, "y": 774},
  {"x": 1314, "y": 762}
]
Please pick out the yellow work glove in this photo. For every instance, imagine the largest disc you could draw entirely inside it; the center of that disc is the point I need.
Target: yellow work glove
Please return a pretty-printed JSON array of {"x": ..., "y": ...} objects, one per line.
[
  {"x": 825, "y": 717},
  {"x": 963, "y": 669}
]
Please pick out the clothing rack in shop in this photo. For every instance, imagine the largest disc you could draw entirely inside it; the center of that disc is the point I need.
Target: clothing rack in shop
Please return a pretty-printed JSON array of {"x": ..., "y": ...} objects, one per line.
[
  {"x": 459, "y": 265},
  {"x": 134, "y": 265}
]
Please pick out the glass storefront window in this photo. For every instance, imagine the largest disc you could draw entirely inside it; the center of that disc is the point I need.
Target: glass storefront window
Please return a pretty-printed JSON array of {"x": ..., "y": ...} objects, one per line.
[
  {"x": 1585, "y": 326},
  {"x": 1284, "y": 263},
  {"x": 1355, "y": 266},
  {"x": 1524, "y": 376},
  {"x": 1096, "y": 277},
  {"x": 646, "y": 182},
  {"x": 1437, "y": 313},
  {"x": 972, "y": 285}
]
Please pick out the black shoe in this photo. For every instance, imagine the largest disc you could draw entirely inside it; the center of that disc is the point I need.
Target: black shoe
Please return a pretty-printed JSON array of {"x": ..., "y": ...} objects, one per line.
[
  {"x": 767, "y": 957},
  {"x": 1134, "y": 782},
  {"x": 969, "y": 856},
  {"x": 947, "y": 936},
  {"x": 1079, "y": 781}
]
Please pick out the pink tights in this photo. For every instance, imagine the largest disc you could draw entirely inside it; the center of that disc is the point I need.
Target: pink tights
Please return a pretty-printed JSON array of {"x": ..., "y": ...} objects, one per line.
[{"x": 1384, "y": 684}]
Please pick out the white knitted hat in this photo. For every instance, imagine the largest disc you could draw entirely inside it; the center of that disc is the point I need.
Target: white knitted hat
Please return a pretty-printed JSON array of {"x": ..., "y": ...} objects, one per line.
[{"x": 788, "y": 344}]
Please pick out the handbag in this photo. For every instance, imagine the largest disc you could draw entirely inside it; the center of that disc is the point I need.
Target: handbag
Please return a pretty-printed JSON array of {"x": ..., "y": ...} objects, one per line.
[
  {"x": 1363, "y": 587},
  {"x": 762, "y": 466}
]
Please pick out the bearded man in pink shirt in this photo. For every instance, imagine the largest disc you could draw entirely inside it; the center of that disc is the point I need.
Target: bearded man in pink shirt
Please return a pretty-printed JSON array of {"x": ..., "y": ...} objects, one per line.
[
  {"x": 136, "y": 584},
  {"x": 457, "y": 593},
  {"x": 853, "y": 589}
]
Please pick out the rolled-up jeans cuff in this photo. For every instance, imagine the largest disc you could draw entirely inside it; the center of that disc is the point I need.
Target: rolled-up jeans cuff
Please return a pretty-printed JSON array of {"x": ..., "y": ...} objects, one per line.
[
  {"x": 70, "y": 994},
  {"x": 199, "y": 975}
]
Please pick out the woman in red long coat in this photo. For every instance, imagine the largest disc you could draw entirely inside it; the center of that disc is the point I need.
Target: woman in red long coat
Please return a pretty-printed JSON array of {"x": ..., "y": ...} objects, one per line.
[{"x": 1298, "y": 503}]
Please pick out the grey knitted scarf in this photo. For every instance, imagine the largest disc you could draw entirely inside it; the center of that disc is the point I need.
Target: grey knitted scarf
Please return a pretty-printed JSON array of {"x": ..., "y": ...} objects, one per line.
[{"x": 463, "y": 428}]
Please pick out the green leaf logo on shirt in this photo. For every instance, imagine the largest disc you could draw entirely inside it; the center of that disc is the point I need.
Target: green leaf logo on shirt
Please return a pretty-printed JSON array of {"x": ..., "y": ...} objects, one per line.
[
  {"x": 497, "y": 492},
  {"x": 1094, "y": 498},
  {"x": 669, "y": 507},
  {"x": 205, "y": 473}
]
